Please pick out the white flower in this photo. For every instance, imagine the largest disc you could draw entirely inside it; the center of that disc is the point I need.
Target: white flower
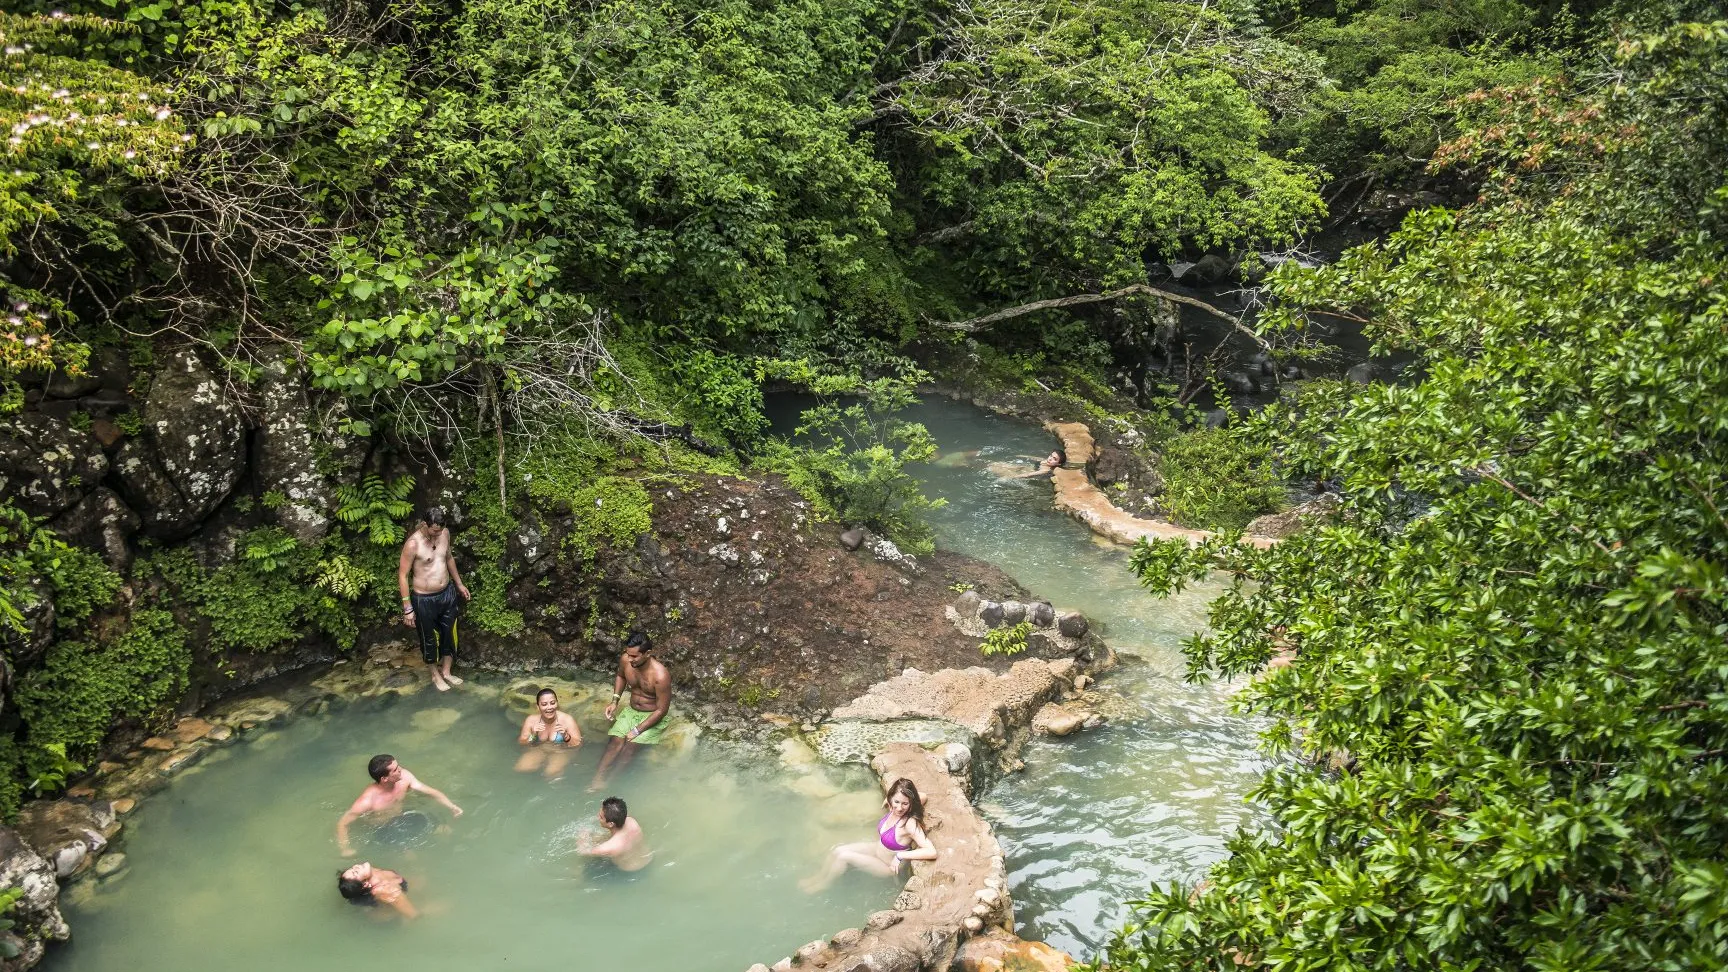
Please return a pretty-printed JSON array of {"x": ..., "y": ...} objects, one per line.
[
  {"x": 162, "y": 114},
  {"x": 130, "y": 154}
]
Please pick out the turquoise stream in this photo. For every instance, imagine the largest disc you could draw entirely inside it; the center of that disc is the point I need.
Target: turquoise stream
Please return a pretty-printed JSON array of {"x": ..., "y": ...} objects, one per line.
[{"x": 1097, "y": 818}]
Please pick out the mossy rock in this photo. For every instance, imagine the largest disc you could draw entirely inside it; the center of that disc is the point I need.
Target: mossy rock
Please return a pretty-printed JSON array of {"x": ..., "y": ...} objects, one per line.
[{"x": 573, "y": 697}]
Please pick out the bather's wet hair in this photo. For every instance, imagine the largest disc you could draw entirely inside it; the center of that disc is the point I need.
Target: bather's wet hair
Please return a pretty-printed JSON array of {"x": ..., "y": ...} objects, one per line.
[
  {"x": 640, "y": 640},
  {"x": 915, "y": 804},
  {"x": 354, "y": 890},
  {"x": 545, "y": 692},
  {"x": 1061, "y": 456},
  {"x": 613, "y": 809},
  {"x": 379, "y": 767},
  {"x": 432, "y": 516}
]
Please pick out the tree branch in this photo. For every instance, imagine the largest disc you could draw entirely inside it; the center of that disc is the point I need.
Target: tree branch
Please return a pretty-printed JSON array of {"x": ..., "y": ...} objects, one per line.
[{"x": 977, "y": 324}]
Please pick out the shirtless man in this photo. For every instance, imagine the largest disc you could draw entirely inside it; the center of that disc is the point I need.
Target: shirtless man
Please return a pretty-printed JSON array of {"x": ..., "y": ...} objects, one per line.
[
  {"x": 643, "y": 721},
  {"x": 549, "y": 737},
  {"x": 625, "y": 847},
  {"x": 432, "y": 607},
  {"x": 390, "y": 784}
]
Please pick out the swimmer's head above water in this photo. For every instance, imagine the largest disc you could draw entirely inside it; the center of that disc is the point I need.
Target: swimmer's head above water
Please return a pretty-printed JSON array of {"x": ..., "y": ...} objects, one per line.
[
  {"x": 351, "y": 882},
  {"x": 384, "y": 769},
  {"x": 1056, "y": 459},
  {"x": 546, "y": 701},
  {"x": 613, "y": 813},
  {"x": 903, "y": 799}
]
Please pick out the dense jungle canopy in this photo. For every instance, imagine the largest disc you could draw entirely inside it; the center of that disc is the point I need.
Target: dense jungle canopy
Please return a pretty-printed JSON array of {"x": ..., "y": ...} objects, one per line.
[{"x": 499, "y": 224}]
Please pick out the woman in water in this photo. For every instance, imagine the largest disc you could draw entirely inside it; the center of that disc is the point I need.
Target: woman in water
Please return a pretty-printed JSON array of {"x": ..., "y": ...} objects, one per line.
[
  {"x": 549, "y": 737},
  {"x": 899, "y": 837},
  {"x": 367, "y": 885},
  {"x": 1050, "y": 463}
]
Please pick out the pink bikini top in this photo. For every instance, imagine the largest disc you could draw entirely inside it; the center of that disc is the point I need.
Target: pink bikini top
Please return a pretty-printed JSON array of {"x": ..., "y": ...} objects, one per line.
[{"x": 890, "y": 839}]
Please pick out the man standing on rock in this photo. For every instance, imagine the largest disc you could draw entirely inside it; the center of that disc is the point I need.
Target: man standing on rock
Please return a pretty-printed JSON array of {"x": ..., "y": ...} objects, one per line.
[
  {"x": 433, "y": 605},
  {"x": 643, "y": 721},
  {"x": 390, "y": 784}
]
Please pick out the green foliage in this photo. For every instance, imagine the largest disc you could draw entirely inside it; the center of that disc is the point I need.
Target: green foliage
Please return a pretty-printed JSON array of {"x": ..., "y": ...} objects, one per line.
[
  {"x": 486, "y": 537},
  {"x": 1218, "y": 479},
  {"x": 614, "y": 509},
  {"x": 69, "y": 703},
  {"x": 272, "y": 595},
  {"x": 1512, "y": 645},
  {"x": 78, "y": 581},
  {"x": 851, "y": 463},
  {"x": 1007, "y": 641},
  {"x": 269, "y": 550},
  {"x": 376, "y": 508}
]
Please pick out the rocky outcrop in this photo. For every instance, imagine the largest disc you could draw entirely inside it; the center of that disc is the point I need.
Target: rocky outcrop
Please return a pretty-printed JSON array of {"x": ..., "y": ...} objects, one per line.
[
  {"x": 286, "y": 463},
  {"x": 192, "y": 452},
  {"x": 46, "y": 465},
  {"x": 1079, "y": 498},
  {"x": 36, "y": 914},
  {"x": 69, "y": 833},
  {"x": 999, "y": 951},
  {"x": 990, "y": 706},
  {"x": 100, "y": 522}
]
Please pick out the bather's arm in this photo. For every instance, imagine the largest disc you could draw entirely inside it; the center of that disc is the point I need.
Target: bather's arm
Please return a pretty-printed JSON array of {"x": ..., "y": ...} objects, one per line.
[
  {"x": 419, "y": 787},
  {"x": 922, "y": 848}
]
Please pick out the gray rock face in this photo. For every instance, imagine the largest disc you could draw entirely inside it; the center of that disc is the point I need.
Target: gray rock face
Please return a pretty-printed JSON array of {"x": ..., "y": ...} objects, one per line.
[
  {"x": 968, "y": 603},
  {"x": 100, "y": 522},
  {"x": 191, "y": 454},
  {"x": 852, "y": 539},
  {"x": 46, "y": 465},
  {"x": 34, "y": 599},
  {"x": 1073, "y": 625},
  {"x": 990, "y": 612},
  {"x": 1041, "y": 614},
  {"x": 36, "y": 915},
  {"x": 1281, "y": 525},
  {"x": 286, "y": 463}
]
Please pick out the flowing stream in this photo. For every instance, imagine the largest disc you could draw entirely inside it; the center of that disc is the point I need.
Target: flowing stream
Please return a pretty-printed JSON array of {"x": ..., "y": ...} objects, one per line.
[{"x": 1097, "y": 818}]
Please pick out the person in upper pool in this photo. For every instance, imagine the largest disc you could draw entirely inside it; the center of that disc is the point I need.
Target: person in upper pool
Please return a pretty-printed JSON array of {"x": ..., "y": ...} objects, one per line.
[
  {"x": 390, "y": 784},
  {"x": 1052, "y": 462},
  {"x": 367, "y": 885},
  {"x": 643, "y": 721},
  {"x": 900, "y": 837},
  {"x": 548, "y": 736},
  {"x": 625, "y": 847}
]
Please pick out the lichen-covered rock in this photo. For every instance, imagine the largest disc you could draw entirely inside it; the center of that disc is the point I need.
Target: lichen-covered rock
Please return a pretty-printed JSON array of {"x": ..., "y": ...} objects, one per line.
[
  {"x": 286, "y": 463},
  {"x": 101, "y": 522},
  {"x": 36, "y": 914},
  {"x": 191, "y": 454},
  {"x": 1073, "y": 625},
  {"x": 45, "y": 465}
]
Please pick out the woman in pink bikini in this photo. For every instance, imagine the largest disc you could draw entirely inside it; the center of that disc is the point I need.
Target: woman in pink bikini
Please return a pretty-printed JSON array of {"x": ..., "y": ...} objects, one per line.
[{"x": 900, "y": 837}]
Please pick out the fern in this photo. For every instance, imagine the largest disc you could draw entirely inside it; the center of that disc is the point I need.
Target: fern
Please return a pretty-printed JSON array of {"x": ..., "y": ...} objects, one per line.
[
  {"x": 343, "y": 578},
  {"x": 374, "y": 506},
  {"x": 269, "y": 550}
]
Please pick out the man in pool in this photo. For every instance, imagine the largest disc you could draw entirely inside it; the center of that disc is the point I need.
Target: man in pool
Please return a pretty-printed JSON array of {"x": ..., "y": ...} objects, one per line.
[
  {"x": 642, "y": 722},
  {"x": 548, "y": 736},
  {"x": 432, "y": 593},
  {"x": 625, "y": 846},
  {"x": 390, "y": 784}
]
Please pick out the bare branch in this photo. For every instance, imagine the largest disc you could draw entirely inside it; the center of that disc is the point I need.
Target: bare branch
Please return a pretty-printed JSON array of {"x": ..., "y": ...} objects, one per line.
[{"x": 977, "y": 324}]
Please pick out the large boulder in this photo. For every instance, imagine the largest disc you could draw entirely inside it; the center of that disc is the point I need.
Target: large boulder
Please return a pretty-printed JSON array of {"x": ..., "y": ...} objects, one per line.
[
  {"x": 46, "y": 465},
  {"x": 36, "y": 914},
  {"x": 286, "y": 463},
  {"x": 101, "y": 522},
  {"x": 70, "y": 834},
  {"x": 191, "y": 454},
  {"x": 999, "y": 951},
  {"x": 1281, "y": 525}
]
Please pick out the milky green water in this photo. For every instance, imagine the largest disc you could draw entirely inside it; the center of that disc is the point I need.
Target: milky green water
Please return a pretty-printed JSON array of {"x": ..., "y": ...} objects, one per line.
[
  {"x": 1097, "y": 818},
  {"x": 233, "y": 866}
]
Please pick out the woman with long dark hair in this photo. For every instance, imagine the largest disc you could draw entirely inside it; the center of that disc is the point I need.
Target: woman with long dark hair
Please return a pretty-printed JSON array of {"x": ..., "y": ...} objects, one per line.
[{"x": 900, "y": 837}]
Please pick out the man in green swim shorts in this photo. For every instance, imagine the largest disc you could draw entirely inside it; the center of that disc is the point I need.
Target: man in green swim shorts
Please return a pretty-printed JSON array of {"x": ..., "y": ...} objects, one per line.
[{"x": 642, "y": 722}]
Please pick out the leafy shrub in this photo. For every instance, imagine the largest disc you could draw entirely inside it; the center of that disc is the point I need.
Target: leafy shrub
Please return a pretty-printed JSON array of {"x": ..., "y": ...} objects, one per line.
[
  {"x": 1007, "y": 641},
  {"x": 78, "y": 579},
  {"x": 854, "y": 467},
  {"x": 84, "y": 686},
  {"x": 1215, "y": 479},
  {"x": 615, "y": 509}
]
